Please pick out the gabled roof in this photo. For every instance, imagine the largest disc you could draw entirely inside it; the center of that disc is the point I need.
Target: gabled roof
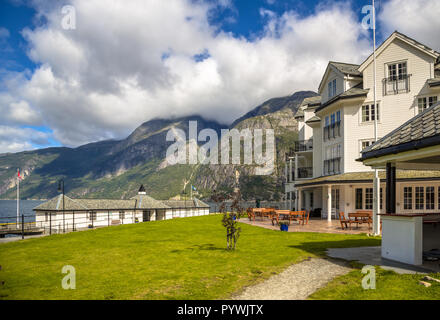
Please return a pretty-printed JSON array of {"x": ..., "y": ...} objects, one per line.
[
  {"x": 421, "y": 131},
  {"x": 405, "y": 39},
  {"x": 344, "y": 69},
  {"x": 299, "y": 114},
  {"x": 56, "y": 203},
  {"x": 348, "y": 69},
  {"x": 314, "y": 119},
  {"x": 311, "y": 102},
  {"x": 146, "y": 202},
  {"x": 354, "y": 92},
  {"x": 434, "y": 82}
]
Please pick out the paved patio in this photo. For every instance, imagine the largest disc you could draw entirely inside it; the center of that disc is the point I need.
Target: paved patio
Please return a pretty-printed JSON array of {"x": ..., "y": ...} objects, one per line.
[
  {"x": 372, "y": 256},
  {"x": 314, "y": 225}
]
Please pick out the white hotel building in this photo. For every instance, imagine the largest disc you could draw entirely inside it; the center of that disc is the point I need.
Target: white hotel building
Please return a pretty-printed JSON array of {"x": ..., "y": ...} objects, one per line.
[{"x": 322, "y": 171}]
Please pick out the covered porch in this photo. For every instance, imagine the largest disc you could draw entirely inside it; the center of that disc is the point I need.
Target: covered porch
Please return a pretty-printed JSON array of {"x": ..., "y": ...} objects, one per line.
[{"x": 407, "y": 236}]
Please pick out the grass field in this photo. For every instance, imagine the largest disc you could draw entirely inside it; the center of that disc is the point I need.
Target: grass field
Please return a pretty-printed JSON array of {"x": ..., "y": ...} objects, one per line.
[
  {"x": 389, "y": 286},
  {"x": 173, "y": 259}
]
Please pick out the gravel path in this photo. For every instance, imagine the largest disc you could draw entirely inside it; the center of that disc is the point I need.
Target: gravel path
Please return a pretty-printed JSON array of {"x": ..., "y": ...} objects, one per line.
[{"x": 296, "y": 282}]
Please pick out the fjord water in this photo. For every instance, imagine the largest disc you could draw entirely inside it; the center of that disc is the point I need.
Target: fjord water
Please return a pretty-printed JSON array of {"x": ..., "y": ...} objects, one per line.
[{"x": 8, "y": 210}]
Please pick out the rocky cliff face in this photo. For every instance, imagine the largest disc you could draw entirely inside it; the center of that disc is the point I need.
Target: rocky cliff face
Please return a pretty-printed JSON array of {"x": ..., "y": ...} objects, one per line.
[{"x": 115, "y": 169}]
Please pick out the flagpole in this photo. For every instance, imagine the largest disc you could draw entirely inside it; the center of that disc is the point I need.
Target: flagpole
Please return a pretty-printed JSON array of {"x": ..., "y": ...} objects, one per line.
[
  {"x": 376, "y": 181},
  {"x": 18, "y": 196}
]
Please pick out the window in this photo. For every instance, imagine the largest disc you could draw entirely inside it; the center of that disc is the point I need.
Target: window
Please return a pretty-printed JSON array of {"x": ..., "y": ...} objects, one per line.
[
  {"x": 381, "y": 198},
  {"x": 311, "y": 200},
  {"x": 429, "y": 198},
  {"x": 92, "y": 216},
  {"x": 338, "y": 116},
  {"x": 332, "y": 88},
  {"x": 46, "y": 216},
  {"x": 438, "y": 197},
  {"x": 407, "y": 198},
  {"x": 359, "y": 199},
  {"x": 369, "y": 198},
  {"x": 369, "y": 112},
  {"x": 397, "y": 71},
  {"x": 366, "y": 143},
  {"x": 121, "y": 215},
  {"x": 420, "y": 199},
  {"x": 335, "y": 199},
  {"x": 426, "y": 102}
]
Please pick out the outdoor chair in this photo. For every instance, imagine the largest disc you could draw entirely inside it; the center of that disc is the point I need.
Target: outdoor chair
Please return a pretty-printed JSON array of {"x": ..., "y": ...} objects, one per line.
[
  {"x": 306, "y": 218},
  {"x": 250, "y": 213},
  {"x": 343, "y": 220}
]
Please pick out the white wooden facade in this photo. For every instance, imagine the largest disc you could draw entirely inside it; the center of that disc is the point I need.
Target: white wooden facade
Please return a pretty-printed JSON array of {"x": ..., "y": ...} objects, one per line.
[{"x": 404, "y": 71}]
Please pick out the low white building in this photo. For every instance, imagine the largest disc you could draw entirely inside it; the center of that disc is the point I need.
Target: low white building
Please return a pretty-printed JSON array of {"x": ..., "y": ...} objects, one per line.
[{"x": 63, "y": 213}]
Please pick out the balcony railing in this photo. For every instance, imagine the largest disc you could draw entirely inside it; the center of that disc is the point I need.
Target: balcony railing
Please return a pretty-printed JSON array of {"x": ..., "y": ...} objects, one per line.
[
  {"x": 304, "y": 145},
  {"x": 396, "y": 85},
  {"x": 305, "y": 172},
  {"x": 332, "y": 166},
  {"x": 332, "y": 131}
]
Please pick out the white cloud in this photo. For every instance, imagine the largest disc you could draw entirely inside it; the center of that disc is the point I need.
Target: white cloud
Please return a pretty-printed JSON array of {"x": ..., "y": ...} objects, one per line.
[
  {"x": 132, "y": 61},
  {"x": 418, "y": 19},
  {"x": 18, "y": 139}
]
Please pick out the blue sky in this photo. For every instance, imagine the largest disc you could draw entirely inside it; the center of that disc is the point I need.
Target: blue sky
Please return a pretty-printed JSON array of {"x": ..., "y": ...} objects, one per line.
[{"x": 129, "y": 62}]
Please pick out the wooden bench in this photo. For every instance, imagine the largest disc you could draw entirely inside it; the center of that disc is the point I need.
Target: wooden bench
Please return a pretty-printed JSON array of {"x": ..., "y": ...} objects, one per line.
[{"x": 116, "y": 222}]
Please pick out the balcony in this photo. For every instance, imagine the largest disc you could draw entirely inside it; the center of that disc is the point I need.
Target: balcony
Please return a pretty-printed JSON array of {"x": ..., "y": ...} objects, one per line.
[
  {"x": 305, "y": 172},
  {"x": 396, "y": 85},
  {"x": 304, "y": 145},
  {"x": 332, "y": 166},
  {"x": 332, "y": 131}
]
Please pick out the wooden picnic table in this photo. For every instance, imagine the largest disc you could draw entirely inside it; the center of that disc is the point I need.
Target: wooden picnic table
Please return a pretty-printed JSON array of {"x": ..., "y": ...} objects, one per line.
[
  {"x": 260, "y": 212},
  {"x": 360, "y": 217},
  {"x": 299, "y": 216}
]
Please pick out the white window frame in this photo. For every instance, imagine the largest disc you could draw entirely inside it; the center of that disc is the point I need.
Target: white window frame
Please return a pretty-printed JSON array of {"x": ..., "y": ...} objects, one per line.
[
  {"x": 370, "y": 114},
  {"x": 426, "y": 103}
]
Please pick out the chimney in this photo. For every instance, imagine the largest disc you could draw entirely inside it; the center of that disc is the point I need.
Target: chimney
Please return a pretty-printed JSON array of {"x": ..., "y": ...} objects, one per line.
[{"x": 142, "y": 190}]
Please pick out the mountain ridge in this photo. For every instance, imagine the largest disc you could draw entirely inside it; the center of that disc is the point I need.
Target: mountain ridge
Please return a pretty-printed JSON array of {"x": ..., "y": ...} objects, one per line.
[{"x": 116, "y": 168}]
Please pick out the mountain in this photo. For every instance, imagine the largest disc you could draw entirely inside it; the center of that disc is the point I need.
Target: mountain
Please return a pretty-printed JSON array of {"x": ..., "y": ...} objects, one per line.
[
  {"x": 116, "y": 168},
  {"x": 275, "y": 104}
]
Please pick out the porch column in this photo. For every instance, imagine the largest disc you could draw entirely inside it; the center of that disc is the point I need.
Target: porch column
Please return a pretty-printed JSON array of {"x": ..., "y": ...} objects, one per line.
[
  {"x": 329, "y": 203},
  {"x": 290, "y": 170},
  {"x": 391, "y": 189},
  {"x": 296, "y": 167},
  {"x": 376, "y": 204},
  {"x": 299, "y": 200}
]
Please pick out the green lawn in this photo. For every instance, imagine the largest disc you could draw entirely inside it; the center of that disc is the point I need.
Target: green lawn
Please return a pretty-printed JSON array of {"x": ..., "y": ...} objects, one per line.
[
  {"x": 173, "y": 259},
  {"x": 389, "y": 286}
]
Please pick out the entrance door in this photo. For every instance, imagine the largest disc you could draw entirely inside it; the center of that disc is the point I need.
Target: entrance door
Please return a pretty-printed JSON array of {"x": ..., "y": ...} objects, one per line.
[{"x": 146, "y": 215}]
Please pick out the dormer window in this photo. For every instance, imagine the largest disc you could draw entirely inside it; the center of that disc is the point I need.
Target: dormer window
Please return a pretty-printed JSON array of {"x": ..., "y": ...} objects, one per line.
[{"x": 332, "y": 88}]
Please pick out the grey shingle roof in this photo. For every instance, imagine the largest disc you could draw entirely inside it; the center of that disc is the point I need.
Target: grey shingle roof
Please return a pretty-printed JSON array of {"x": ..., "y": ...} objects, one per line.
[
  {"x": 311, "y": 102},
  {"x": 146, "y": 202},
  {"x": 195, "y": 203},
  {"x": 347, "y": 68},
  {"x": 350, "y": 93},
  {"x": 434, "y": 82},
  {"x": 299, "y": 114},
  {"x": 416, "y": 132},
  {"x": 140, "y": 202}
]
